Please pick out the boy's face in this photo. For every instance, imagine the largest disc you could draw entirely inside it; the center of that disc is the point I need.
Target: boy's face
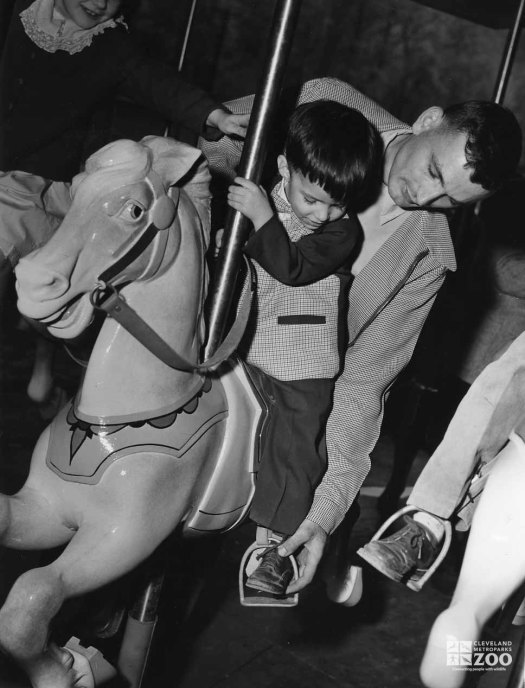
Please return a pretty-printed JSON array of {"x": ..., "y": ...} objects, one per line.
[
  {"x": 88, "y": 13},
  {"x": 313, "y": 206}
]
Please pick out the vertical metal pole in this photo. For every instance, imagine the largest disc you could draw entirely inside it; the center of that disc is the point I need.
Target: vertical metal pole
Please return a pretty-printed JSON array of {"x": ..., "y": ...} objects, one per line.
[
  {"x": 138, "y": 633},
  {"x": 254, "y": 152},
  {"x": 466, "y": 220},
  {"x": 189, "y": 24},
  {"x": 508, "y": 55}
]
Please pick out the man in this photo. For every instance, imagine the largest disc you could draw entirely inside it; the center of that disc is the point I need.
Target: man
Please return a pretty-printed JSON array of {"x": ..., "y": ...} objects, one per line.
[{"x": 443, "y": 161}]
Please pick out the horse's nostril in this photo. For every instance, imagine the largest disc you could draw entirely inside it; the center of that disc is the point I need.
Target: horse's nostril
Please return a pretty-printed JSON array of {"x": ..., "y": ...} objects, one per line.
[
  {"x": 55, "y": 281},
  {"x": 36, "y": 278},
  {"x": 55, "y": 285}
]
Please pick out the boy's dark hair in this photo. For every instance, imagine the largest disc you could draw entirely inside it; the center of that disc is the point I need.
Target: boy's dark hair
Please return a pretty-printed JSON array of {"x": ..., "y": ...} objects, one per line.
[
  {"x": 336, "y": 147},
  {"x": 493, "y": 146}
]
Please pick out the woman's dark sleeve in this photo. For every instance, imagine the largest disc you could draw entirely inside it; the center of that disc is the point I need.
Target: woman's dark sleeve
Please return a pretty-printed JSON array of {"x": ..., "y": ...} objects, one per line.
[
  {"x": 158, "y": 86},
  {"x": 307, "y": 260}
]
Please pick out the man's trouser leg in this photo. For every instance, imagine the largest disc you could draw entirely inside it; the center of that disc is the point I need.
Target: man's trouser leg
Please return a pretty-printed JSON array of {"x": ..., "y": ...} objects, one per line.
[{"x": 490, "y": 411}]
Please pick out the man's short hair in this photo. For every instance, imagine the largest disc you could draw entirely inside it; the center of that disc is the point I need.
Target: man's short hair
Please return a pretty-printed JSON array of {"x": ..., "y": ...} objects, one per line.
[
  {"x": 494, "y": 140},
  {"x": 336, "y": 147}
]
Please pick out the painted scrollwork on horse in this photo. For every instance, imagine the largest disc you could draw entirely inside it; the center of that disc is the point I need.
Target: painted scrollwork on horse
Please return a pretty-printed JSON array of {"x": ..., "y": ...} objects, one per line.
[{"x": 146, "y": 443}]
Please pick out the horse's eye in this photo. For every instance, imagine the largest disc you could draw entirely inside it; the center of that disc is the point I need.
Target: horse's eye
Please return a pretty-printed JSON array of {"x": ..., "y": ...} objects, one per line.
[
  {"x": 136, "y": 211},
  {"x": 132, "y": 211}
]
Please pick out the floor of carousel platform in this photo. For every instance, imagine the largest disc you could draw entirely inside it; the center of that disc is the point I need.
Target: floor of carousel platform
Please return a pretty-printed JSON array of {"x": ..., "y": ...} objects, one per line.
[{"x": 212, "y": 641}]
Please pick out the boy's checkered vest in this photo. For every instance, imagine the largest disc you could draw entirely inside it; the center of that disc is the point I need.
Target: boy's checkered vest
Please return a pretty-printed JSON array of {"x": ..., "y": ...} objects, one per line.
[{"x": 294, "y": 329}]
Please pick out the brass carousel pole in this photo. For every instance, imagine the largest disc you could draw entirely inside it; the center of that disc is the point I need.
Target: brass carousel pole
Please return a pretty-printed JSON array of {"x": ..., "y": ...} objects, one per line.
[
  {"x": 187, "y": 32},
  {"x": 508, "y": 55},
  {"x": 468, "y": 213},
  {"x": 254, "y": 152},
  {"x": 142, "y": 617}
]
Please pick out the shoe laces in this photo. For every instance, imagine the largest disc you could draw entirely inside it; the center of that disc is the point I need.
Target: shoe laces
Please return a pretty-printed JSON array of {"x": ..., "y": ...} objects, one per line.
[
  {"x": 417, "y": 536},
  {"x": 417, "y": 541},
  {"x": 267, "y": 550}
]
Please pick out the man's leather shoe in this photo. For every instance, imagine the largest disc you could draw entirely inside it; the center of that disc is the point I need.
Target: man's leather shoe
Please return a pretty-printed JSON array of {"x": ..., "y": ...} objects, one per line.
[
  {"x": 274, "y": 573},
  {"x": 406, "y": 552}
]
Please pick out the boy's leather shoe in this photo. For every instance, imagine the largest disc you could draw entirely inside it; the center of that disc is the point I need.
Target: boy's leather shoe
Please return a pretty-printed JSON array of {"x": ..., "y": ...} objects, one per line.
[
  {"x": 274, "y": 573},
  {"x": 407, "y": 551}
]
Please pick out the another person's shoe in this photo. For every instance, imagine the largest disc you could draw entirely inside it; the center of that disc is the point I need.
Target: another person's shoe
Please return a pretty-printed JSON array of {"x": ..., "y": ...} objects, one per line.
[
  {"x": 407, "y": 552},
  {"x": 346, "y": 588},
  {"x": 274, "y": 573}
]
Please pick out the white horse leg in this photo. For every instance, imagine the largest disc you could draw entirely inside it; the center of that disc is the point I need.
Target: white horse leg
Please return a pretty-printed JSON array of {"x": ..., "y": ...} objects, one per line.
[
  {"x": 38, "y": 595},
  {"x": 118, "y": 531},
  {"x": 493, "y": 567},
  {"x": 28, "y": 521},
  {"x": 32, "y": 518}
]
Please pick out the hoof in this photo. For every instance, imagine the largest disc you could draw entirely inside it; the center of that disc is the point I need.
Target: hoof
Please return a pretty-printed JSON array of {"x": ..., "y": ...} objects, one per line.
[{"x": 89, "y": 666}]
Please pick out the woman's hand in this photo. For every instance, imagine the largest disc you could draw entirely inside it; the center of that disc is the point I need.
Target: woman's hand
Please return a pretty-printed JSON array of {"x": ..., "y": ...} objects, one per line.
[{"x": 228, "y": 123}]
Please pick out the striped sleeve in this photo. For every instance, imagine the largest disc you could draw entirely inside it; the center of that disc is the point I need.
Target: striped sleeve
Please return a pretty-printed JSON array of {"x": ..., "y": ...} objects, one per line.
[
  {"x": 371, "y": 365},
  {"x": 224, "y": 155}
]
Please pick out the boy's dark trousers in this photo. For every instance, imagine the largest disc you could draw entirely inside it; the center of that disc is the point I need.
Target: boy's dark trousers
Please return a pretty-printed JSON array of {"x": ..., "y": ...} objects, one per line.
[{"x": 293, "y": 449}]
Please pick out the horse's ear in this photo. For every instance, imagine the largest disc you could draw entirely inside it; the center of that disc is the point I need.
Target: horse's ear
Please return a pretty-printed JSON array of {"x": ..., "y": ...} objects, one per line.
[{"x": 172, "y": 160}]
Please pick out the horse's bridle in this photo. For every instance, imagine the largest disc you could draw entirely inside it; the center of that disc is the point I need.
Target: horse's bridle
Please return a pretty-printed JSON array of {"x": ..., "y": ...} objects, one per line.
[{"x": 106, "y": 297}]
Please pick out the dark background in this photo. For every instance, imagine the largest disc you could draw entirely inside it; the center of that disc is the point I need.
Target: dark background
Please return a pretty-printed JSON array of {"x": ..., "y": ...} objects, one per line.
[
  {"x": 405, "y": 55},
  {"x": 402, "y": 53}
]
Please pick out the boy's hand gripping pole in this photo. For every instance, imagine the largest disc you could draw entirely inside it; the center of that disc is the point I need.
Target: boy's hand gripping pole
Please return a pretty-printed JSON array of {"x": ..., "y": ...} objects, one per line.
[{"x": 237, "y": 227}]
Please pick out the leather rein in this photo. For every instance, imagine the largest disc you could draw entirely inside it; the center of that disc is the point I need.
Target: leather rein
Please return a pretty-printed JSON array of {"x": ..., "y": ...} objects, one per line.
[{"x": 107, "y": 298}]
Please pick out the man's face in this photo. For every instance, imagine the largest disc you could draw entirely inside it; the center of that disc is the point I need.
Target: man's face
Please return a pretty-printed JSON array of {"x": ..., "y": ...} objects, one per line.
[
  {"x": 429, "y": 170},
  {"x": 313, "y": 205}
]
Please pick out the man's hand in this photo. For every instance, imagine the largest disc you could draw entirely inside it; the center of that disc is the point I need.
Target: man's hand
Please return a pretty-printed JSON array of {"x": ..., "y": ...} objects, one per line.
[
  {"x": 312, "y": 538},
  {"x": 228, "y": 123},
  {"x": 251, "y": 200}
]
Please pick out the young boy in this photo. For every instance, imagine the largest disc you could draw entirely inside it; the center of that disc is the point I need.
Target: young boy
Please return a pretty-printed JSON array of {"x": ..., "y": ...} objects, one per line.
[{"x": 304, "y": 237}]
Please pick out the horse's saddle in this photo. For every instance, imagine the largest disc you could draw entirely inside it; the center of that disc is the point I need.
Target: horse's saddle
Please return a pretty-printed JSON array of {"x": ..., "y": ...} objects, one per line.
[{"x": 81, "y": 451}]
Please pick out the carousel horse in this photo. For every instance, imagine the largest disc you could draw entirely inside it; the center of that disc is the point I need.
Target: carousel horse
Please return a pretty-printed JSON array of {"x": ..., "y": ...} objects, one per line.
[
  {"x": 490, "y": 424},
  {"x": 152, "y": 439},
  {"x": 492, "y": 574},
  {"x": 493, "y": 570}
]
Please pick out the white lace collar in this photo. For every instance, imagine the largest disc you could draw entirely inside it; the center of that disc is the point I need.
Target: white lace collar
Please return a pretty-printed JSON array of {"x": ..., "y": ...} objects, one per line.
[{"x": 49, "y": 30}]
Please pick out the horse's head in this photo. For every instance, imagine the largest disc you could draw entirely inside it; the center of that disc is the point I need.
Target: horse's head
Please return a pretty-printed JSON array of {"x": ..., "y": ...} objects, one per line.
[{"x": 122, "y": 226}]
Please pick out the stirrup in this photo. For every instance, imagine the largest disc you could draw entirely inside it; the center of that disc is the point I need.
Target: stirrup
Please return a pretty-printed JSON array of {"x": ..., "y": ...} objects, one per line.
[
  {"x": 418, "y": 579},
  {"x": 101, "y": 669},
  {"x": 258, "y": 598}
]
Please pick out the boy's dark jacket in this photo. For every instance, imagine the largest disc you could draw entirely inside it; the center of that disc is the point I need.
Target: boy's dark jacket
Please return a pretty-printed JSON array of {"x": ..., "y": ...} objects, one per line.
[
  {"x": 309, "y": 259},
  {"x": 47, "y": 99}
]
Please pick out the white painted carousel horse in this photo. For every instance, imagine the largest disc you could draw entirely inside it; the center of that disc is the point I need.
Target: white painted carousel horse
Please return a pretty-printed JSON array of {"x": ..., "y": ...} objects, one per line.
[
  {"x": 492, "y": 571},
  {"x": 489, "y": 424},
  {"x": 151, "y": 439}
]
